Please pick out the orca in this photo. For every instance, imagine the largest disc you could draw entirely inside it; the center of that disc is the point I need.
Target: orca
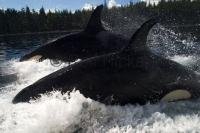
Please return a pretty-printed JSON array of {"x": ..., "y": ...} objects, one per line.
[
  {"x": 134, "y": 75},
  {"x": 92, "y": 41}
]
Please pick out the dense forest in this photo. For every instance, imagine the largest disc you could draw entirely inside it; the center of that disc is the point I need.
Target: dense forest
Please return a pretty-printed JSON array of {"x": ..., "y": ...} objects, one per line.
[{"x": 180, "y": 12}]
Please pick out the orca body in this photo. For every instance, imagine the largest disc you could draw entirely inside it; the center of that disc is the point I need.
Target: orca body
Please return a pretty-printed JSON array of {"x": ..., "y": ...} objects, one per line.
[
  {"x": 133, "y": 75},
  {"x": 92, "y": 41}
]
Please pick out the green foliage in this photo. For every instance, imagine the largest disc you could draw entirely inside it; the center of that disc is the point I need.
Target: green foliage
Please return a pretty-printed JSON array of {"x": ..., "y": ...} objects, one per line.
[{"x": 26, "y": 20}]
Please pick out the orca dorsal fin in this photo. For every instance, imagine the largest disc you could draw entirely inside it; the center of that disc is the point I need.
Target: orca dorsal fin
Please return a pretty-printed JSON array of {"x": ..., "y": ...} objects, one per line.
[
  {"x": 139, "y": 38},
  {"x": 94, "y": 25}
]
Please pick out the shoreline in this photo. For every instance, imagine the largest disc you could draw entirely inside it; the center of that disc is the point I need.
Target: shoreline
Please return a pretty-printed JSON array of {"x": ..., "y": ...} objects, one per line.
[{"x": 39, "y": 33}]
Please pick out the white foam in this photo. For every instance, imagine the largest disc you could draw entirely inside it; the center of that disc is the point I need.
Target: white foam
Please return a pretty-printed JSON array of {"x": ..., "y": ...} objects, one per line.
[
  {"x": 191, "y": 62},
  {"x": 184, "y": 60}
]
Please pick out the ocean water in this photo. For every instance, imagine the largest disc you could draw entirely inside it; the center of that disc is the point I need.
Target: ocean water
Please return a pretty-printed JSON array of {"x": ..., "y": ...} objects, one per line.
[{"x": 74, "y": 113}]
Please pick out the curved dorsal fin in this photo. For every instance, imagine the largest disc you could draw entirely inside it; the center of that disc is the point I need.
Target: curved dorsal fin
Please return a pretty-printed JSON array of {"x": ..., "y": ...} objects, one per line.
[
  {"x": 94, "y": 25},
  {"x": 139, "y": 38}
]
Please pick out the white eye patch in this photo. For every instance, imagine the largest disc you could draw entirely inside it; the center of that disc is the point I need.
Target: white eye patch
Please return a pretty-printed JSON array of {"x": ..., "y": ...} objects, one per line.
[
  {"x": 176, "y": 95},
  {"x": 36, "y": 58}
]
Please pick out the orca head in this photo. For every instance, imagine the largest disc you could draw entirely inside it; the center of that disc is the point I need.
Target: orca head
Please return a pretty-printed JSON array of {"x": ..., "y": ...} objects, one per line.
[
  {"x": 72, "y": 46},
  {"x": 36, "y": 55},
  {"x": 22, "y": 96}
]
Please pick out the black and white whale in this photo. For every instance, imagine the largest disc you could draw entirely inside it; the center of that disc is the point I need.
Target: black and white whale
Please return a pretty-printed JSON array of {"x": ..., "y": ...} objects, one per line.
[
  {"x": 133, "y": 75},
  {"x": 92, "y": 41}
]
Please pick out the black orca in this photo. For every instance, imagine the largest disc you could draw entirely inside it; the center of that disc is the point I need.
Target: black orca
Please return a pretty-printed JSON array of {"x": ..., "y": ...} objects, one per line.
[
  {"x": 92, "y": 41},
  {"x": 133, "y": 75}
]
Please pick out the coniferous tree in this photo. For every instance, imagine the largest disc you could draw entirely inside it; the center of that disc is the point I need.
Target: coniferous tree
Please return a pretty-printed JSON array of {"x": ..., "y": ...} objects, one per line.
[{"x": 175, "y": 12}]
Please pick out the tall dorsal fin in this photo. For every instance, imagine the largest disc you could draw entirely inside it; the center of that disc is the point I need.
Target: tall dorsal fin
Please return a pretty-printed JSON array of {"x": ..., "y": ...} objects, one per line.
[
  {"x": 139, "y": 38},
  {"x": 94, "y": 25}
]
